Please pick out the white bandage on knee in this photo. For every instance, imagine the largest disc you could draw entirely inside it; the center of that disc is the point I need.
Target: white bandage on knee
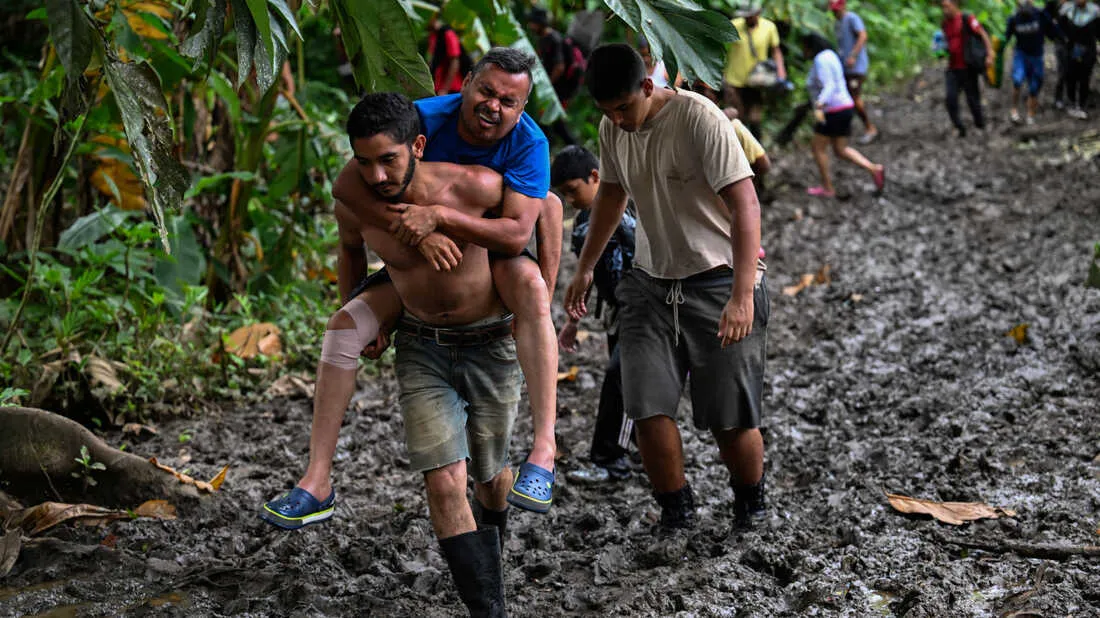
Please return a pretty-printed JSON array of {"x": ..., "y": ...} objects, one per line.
[{"x": 341, "y": 348}]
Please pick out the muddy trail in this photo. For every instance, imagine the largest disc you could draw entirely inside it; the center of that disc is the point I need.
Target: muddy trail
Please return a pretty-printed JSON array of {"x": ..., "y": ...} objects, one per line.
[{"x": 895, "y": 376}]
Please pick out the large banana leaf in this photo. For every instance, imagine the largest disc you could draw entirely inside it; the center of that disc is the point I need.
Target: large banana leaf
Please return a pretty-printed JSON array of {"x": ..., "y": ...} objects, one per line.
[
  {"x": 382, "y": 45},
  {"x": 689, "y": 40}
]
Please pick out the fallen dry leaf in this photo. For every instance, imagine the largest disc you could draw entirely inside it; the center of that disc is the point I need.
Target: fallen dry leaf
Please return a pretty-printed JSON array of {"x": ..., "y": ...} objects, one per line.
[
  {"x": 254, "y": 339},
  {"x": 10, "y": 545},
  {"x": 569, "y": 376},
  {"x": 40, "y": 518},
  {"x": 103, "y": 373},
  {"x": 1019, "y": 333},
  {"x": 954, "y": 513},
  {"x": 109, "y": 541},
  {"x": 183, "y": 478},
  {"x": 217, "y": 481},
  {"x": 156, "y": 509},
  {"x": 138, "y": 429},
  {"x": 289, "y": 385},
  {"x": 583, "y": 335},
  {"x": 856, "y": 298},
  {"x": 804, "y": 282},
  {"x": 822, "y": 277}
]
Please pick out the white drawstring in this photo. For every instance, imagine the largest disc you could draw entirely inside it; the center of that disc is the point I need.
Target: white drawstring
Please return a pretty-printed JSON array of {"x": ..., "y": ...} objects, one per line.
[{"x": 675, "y": 297}]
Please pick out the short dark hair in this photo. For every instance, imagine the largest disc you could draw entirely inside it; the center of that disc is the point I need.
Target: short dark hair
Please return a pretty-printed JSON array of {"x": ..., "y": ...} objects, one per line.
[
  {"x": 815, "y": 43},
  {"x": 391, "y": 113},
  {"x": 509, "y": 59},
  {"x": 539, "y": 16},
  {"x": 614, "y": 70},
  {"x": 572, "y": 162}
]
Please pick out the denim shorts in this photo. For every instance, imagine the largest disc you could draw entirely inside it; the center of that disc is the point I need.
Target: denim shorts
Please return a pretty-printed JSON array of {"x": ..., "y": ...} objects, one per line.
[
  {"x": 458, "y": 403},
  {"x": 1027, "y": 68},
  {"x": 661, "y": 340}
]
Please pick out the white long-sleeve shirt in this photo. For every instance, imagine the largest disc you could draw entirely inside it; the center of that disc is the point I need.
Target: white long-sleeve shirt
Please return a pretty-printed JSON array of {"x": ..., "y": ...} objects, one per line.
[{"x": 826, "y": 83}]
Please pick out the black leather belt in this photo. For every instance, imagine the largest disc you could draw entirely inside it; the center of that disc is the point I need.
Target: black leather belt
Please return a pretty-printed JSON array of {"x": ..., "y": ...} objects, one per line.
[{"x": 457, "y": 336}]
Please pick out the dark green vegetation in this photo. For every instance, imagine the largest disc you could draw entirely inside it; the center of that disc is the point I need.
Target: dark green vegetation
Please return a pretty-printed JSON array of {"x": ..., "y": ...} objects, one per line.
[{"x": 167, "y": 177}]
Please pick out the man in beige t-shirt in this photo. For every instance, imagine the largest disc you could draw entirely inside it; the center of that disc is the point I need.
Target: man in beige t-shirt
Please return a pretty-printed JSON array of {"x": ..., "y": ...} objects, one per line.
[{"x": 695, "y": 300}]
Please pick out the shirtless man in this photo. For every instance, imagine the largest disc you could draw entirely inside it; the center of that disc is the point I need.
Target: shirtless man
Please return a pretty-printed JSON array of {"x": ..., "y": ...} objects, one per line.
[
  {"x": 456, "y": 359},
  {"x": 485, "y": 124}
]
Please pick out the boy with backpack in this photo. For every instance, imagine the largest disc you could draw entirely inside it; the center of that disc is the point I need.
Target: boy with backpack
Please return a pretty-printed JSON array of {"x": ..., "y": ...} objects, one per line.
[
  {"x": 575, "y": 174},
  {"x": 970, "y": 53}
]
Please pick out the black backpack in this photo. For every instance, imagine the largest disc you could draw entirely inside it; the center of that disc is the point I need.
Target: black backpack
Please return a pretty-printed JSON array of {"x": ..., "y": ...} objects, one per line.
[{"x": 973, "y": 46}]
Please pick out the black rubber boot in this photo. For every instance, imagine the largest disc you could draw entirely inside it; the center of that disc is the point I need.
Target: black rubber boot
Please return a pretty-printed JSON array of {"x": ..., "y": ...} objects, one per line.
[
  {"x": 474, "y": 560},
  {"x": 677, "y": 508},
  {"x": 749, "y": 506},
  {"x": 486, "y": 518}
]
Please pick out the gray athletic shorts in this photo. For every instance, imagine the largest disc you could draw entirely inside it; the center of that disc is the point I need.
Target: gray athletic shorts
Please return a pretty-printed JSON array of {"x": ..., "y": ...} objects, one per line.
[{"x": 727, "y": 384}]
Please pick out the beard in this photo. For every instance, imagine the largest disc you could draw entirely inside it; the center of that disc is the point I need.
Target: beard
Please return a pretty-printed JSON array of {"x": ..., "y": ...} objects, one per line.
[{"x": 396, "y": 198}]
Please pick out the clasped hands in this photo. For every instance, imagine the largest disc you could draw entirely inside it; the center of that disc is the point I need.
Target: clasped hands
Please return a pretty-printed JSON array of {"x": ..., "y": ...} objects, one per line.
[{"x": 416, "y": 227}]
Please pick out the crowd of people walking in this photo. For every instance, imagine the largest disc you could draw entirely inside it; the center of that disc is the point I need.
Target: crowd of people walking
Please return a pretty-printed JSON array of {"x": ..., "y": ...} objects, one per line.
[{"x": 667, "y": 230}]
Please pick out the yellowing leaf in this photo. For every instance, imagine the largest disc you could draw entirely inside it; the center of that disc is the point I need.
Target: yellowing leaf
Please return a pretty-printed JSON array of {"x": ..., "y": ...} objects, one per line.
[
  {"x": 156, "y": 509},
  {"x": 804, "y": 282},
  {"x": 254, "y": 339},
  {"x": 583, "y": 335},
  {"x": 954, "y": 513},
  {"x": 183, "y": 478},
  {"x": 822, "y": 277},
  {"x": 1019, "y": 333},
  {"x": 217, "y": 481},
  {"x": 569, "y": 376}
]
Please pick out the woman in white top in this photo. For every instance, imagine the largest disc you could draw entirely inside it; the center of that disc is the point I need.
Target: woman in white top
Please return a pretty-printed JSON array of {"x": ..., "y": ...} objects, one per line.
[{"x": 833, "y": 112}]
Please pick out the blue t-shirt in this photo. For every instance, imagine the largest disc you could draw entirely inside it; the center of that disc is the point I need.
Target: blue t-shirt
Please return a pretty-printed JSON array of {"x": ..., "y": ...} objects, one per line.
[
  {"x": 847, "y": 33},
  {"x": 522, "y": 157},
  {"x": 1029, "y": 28}
]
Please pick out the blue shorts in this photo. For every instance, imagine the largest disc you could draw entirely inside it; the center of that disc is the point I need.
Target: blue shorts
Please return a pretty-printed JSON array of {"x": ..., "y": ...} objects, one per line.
[
  {"x": 458, "y": 402},
  {"x": 1026, "y": 66}
]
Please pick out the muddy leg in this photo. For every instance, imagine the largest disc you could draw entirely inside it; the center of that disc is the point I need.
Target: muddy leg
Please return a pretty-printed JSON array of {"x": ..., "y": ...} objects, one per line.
[
  {"x": 524, "y": 292},
  {"x": 447, "y": 506},
  {"x": 742, "y": 451},
  {"x": 821, "y": 156},
  {"x": 662, "y": 452}
]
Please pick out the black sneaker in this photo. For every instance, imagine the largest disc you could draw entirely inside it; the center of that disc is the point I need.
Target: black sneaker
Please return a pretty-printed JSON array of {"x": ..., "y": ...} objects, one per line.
[
  {"x": 677, "y": 508},
  {"x": 749, "y": 506}
]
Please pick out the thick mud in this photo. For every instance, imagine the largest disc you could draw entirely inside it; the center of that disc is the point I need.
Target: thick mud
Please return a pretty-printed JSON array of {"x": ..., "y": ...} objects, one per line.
[{"x": 897, "y": 376}]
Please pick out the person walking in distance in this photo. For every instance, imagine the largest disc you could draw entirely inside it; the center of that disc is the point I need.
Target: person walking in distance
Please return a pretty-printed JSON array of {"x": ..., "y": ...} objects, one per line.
[
  {"x": 1031, "y": 27},
  {"x": 1080, "y": 19},
  {"x": 833, "y": 112},
  {"x": 963, "y": 67},
  {"x": 851, "y": 40},
  {"x": 695, "y": 299}
]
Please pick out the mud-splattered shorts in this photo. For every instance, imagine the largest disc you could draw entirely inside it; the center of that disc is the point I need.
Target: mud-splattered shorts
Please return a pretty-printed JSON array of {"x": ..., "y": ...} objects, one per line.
[
  {"x": 668, "y": 328},
  {"x": 458, "y": 402}
]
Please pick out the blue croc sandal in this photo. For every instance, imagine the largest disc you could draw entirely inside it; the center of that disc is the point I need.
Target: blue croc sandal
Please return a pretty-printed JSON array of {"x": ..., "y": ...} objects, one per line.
[
  {"x": 533, "y": 489},
  {"x": 297, "y": 508}
]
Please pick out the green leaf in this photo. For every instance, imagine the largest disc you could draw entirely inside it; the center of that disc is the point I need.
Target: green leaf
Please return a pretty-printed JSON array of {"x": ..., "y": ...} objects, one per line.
[
  {"x": 469, "y": 26},
  {"x": 38, "y": 14},
  {"x": 1093, "y": 280},
  {"x": 72, "y": 35},
  {"x": 186, "y": 265},
  {"x": 382, "y": 45},
  {"x": 269, "y": 60},
  {"x": 207, "y": 182},
  {"x": 282, "y": 9},
  {"x": 90, "y": 228},
  {"x": 246, "y": 39},
  {"x": 690, "y": 41},
  {"x": 207, "y": 31},
  {"x": 148, "y": 128},
  {"x": 264, "y": 47},
  {"x": 221, "y": 86}
]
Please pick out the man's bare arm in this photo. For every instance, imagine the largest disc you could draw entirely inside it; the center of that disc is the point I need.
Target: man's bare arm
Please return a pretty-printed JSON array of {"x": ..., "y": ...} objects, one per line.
[
  {"x": 607, "y": 211},
  {"x": 351, "y": 262},
  {"x": 737, "y": 317},
  {"x": 508, "y": 234}
]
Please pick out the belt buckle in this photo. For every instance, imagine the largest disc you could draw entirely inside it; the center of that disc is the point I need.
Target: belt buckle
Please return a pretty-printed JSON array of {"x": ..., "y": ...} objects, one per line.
[{"x": 437, "y": 341}]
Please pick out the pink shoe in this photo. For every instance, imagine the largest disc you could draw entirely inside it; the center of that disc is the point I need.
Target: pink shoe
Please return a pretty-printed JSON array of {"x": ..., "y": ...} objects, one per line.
[
  {"x": 820, "y": 192},
  {"x": 880, "y": 179}
]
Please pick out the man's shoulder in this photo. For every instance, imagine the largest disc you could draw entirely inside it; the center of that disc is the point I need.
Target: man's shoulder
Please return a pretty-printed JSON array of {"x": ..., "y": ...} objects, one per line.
[
  {"x": 348, "y": 186},
  {"x": 434, "y": 107}
]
